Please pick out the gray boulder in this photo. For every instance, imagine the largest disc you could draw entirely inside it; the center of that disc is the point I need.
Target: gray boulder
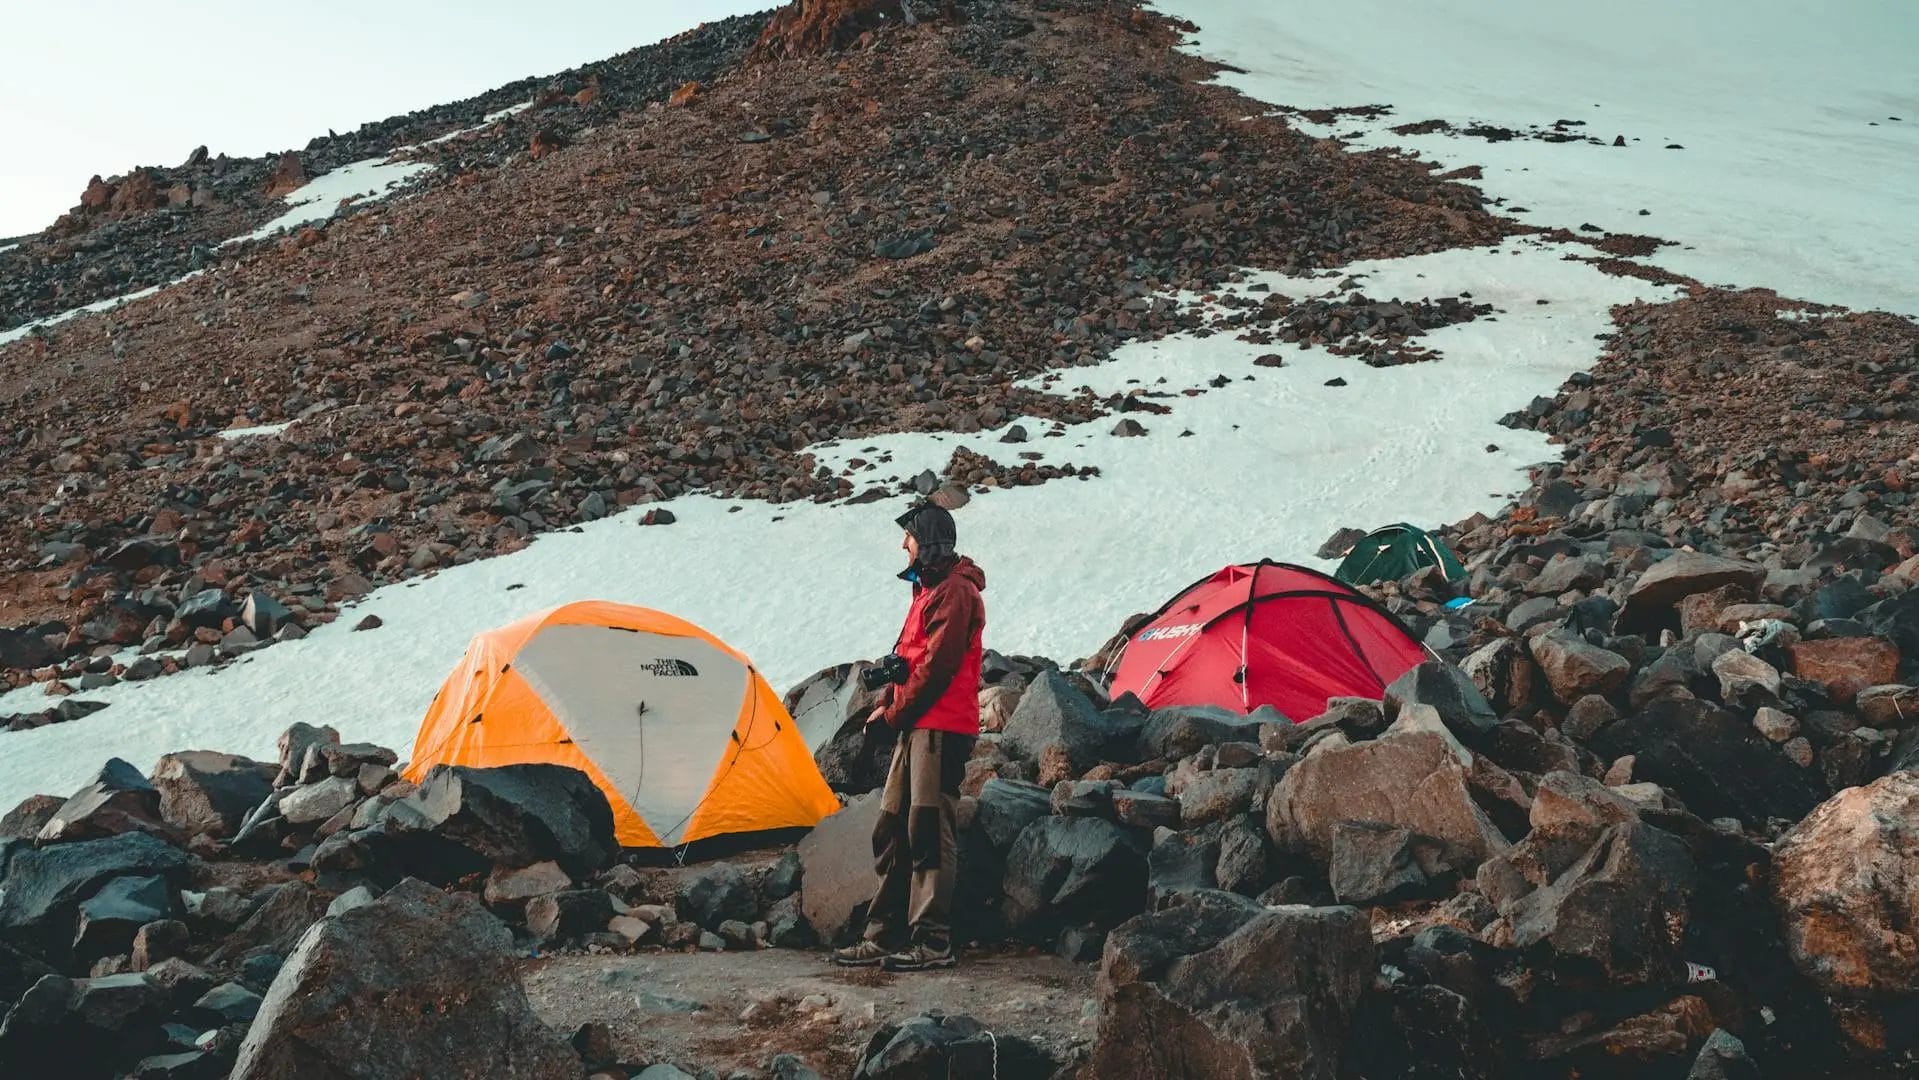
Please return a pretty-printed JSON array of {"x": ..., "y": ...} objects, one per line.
[
  {"x": 1653, "y": 598},
  {"x": 417, "y": 983},
  {"x": 1450, "y": 691},
  {"x": 110, "y": 918},
  {"x": 837, "y": 880},
  {"x": 1374, "y": 863},
  {"x": 311, "y": 804},
  {"x": 41, "y": 889},
  {"x": 1225, "y": 987},
  {"x": 1217, "y": 795},
  {"x": 716, "y": 893},
  {"x": 513, "y": 816},
  {"x": 1171, "y": 734},
  {"x": 1060, "y": 728},
  {"x": 1574, "y": 667},
  {"x": 936, "y": 1046},
  {"x": 1415, "y": 780},
  {"x": 118, "y": 799},
  {"x": 1073, "y": 870},
  {"x": 204, "y": 793},
  {"x": 1006, "y": 807},
  {"x": 294, "y": 743}
]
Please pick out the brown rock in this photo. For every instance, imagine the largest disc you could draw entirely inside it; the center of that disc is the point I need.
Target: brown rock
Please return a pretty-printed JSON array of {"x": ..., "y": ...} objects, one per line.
[
  {"x": 1650, "y": 602},
  {"x": 1845, "y": 666},
  {"x": 1415, "y": 780},
  {"x": 288, "y": 176},
  {"x": 1846, "y": 882}
]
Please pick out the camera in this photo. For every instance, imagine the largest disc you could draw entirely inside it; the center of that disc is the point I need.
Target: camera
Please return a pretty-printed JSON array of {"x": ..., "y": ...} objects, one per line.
[{"x": 888, "y": 670}]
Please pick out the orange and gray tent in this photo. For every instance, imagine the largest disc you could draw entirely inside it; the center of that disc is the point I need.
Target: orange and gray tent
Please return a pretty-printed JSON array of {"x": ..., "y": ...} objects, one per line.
[{"x": 679, "y": 730}]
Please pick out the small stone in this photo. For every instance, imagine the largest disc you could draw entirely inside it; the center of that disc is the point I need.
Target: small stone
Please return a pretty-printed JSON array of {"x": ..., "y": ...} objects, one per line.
[
  {"x": 1775, "y": 725},
  {"x": 1798, "y": 751}
]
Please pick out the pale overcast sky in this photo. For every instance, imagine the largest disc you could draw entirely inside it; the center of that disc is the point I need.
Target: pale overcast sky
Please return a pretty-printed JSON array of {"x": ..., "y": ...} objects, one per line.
[{"x": 101, "y": 86}]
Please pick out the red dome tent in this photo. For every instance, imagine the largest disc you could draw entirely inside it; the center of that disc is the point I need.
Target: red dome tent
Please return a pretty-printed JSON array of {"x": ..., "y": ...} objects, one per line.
[{"x": 1265, "y": 634}]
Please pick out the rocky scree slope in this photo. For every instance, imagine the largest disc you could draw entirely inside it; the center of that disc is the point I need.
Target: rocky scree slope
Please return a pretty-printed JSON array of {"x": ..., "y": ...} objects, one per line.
[
  {"x": 680, "y": 298},
  {"x": 157, "y": 223}
]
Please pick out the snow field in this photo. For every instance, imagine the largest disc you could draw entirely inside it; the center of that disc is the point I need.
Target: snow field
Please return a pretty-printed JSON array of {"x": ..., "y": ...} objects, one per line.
[
  {"x": 1274, "y": 464},
  {"x": 1795, "y": 174}
]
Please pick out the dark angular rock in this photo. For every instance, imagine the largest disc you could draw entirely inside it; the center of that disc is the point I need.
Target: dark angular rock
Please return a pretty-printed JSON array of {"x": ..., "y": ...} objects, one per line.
[
  {"x": 934, "y": 1046},
  {"x": 1181, "y": 863},
  {"x": 568, "y": 916},
  {"x": 1006, "y": 807},
  {"x": 118, "y": 799},
  {"x": 1171, "y": 734},
  {"x": 787, "y": 927},
  {"x": 25, "y": 821},
  {"x": 160, "y": 941},
  {"x": 203, "y": 793},
  {"x": 837, "y": 879},
  {"x": 1374, "y": 863},
  {"x": 1243, "y": 857},
  {"x": 263, "y": 615},
  {"x": 1142, "y": 810},
  {"x": 1273, "y": 995},
  {"x": 391, "y": 989},
  {"x": 110, "y": 918},
  {"x": 783, "y": 880},
  {"x": 1073, "y": 871},
  {"x": 275, "y": 925},
  {"x": 228, "y": 1003},
  {"x": 714, "y": 894},
  {"x": 513, "y": 816},
  {"x": 1723, "y": 1057},
  {"x": 1656, "y": 593},
  {"x": 43, "y": 888},
  {"x": 1054, "y": 719},
  {"x": 1622, "y": 905},
  {"x": 294, "y": 743},
  {"x": 1411, "y": 1032},
  {"x": 1462, "y": 708},
  {"x": 1715, "y": 762},
  {"x": 1218, "y": 795}
]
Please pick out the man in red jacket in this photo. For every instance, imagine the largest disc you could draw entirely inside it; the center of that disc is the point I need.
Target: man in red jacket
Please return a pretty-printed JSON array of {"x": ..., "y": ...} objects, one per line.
[{"x": 936, "y": 711}]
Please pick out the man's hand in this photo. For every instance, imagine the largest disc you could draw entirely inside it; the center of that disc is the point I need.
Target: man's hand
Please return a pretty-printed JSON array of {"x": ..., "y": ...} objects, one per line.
[{"x": 877, "y": 716}]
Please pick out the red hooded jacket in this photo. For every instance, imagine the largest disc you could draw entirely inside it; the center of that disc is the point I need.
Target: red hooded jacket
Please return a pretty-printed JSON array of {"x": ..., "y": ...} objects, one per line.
[{"x": 941, "y": 645}]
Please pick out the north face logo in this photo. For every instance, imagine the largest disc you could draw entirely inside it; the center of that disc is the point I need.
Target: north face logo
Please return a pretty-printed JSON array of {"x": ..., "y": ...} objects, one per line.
[{"x": 670, "y": 669}]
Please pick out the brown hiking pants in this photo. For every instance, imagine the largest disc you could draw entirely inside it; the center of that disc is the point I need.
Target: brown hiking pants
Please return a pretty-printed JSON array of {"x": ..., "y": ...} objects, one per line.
[{"x": 914, "y": 849}]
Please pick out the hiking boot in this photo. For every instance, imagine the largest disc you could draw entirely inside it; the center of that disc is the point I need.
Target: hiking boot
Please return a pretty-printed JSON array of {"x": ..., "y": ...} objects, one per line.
[
  {"x": 922, "y": 956},
  {"x": 860, "y": 954}
]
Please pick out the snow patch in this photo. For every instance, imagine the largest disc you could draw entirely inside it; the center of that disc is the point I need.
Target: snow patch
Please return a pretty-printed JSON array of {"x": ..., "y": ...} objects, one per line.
[
  {"x": 1274, "y": 463},
  {"x": 108, "y": 304},
  {"x": 489, "y": 118},
  {"x": 248, "y": 432},
  {"x": 1793, "y": 173},
  {"x": 324, "y": 195}
]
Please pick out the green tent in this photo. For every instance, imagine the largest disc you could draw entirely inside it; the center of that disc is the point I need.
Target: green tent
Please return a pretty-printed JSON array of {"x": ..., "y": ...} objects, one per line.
[{"x": 1395, "y": 551}]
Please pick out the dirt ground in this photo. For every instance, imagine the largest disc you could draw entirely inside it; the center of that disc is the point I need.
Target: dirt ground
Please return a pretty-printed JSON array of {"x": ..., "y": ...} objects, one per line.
[{"x": 727, "y": 1011}]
